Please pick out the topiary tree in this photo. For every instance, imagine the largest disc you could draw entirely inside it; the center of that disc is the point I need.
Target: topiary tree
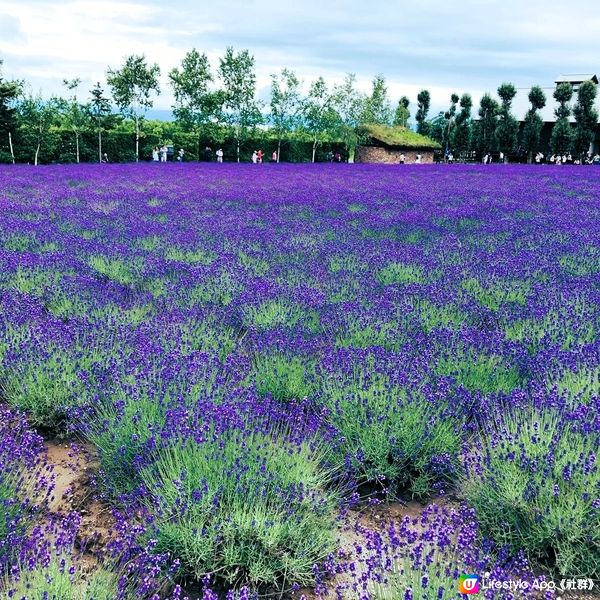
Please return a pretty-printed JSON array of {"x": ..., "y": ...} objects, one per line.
[
  {"x": 507, "y": 127},
  {"x": 449, "y": 117},
  {"x": 423, "y": 103},
  {"x": 533, "y": 121},
  {"x": 402, "y": 114},
  {"x": 486, "y": 127},
  {"x": 462, "y": 133},
  {"x": 586, "y": 117},
  {"x": 562, "y": 133}
]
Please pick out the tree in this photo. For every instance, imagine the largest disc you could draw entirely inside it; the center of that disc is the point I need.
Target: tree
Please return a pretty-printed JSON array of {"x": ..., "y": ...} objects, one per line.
[
  {"x": 462, "y": 132},
  {"x": 436, "y": 127},
  {"x": 586, "y": 118},
  {"x": 37, "y": 117},
  {"x": 449, "y": 118},
  {"x": 318, "y": 113},
  {"x": 402, "y": 114},
  {"x": 377, "y": 109},
  {"x": 533, "y": 122},
  {"x": 196, "y": 106},
  {"x": 286, "y": 104},
  {"x": 507, "y": 127},
  {"x": 132, "y": 86},
  {"x": 562, "y": 134},
  {"x": 239, "y": 81},
  {"x": 423, "y": 104},
  {"x": 100, "y": 112},
  {"x": 9, "y": 93},
  {"x": 348, "y": 103},
  {"x": 74, "y": 114},
  {"x": 486, "y": 126}
]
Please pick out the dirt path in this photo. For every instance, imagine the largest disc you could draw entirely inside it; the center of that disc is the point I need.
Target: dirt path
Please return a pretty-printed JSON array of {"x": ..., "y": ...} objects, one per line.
[{"x": 74, "y": 466}]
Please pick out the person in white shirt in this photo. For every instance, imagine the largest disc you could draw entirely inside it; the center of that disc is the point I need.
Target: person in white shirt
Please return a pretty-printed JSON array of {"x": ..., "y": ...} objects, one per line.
[{"x": 219, "y": 155}]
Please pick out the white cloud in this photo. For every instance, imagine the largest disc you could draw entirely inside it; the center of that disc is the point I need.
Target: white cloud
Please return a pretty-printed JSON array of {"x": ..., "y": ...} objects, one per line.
[{"x": 466, "y": 45}]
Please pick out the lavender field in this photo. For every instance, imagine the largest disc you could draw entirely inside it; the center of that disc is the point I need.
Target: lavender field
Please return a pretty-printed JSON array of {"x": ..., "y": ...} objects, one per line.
[{"x": 251, "y": 370}]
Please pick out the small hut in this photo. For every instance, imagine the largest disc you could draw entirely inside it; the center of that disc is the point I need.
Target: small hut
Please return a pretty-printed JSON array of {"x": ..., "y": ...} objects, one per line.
[{"x": 387, "y": 145}]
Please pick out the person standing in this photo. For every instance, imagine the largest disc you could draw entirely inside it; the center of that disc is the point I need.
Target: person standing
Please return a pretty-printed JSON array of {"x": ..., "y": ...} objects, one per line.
[
  {"x": 402, "y": 158},
  {"x": 219, "y": 154},
  {"x": 155, "y": 154},
  {"x": 259, "y": 156},
  {"x": 274, "y": 156},
  {"x": 254, "y": 157},
  {"x": 163, "y": 153},
  {"x": 180, "y": 155}
]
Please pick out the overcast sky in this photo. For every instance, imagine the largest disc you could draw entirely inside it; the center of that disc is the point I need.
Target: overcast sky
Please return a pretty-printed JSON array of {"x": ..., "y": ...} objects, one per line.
[{"x": 465, "y": 45}]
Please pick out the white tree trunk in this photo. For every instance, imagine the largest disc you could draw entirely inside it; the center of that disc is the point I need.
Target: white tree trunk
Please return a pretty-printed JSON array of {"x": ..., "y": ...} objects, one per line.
[
  {"x": 314, "y": 150},
  {"x": 137, "y": 140},
  {"x": 99, "y": 145},
  {"x": 238, "y": 149},
  {"x": 10, "y": 145},
  {"x": 77, "y": 146},
  {"x": 37, "y": 151}
]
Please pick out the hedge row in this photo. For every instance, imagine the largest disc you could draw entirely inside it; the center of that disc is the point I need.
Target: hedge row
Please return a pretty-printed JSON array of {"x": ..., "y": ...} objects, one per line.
[{"x": 59, "y": 147}]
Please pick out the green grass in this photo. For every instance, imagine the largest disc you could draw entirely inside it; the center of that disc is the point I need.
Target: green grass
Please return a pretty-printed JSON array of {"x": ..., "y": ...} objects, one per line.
[
  {"x": 587, "y": 262},
  {"x": 487, "y": 373},
  {"x": 218, "y": 289},
  {"x": 531, "y": 491},
  {"x": 241, "y": 491},
  {"x": 279, "y": 312},
  {"x": 48, "y": 388},
  {"x": 582, "y": 383},
  {"x": 397, "y": 136},
  {"x": 496, "y": 293},
  {"x": 345, "y": 262},
  {"x": 358, "y": 334},
  {"x": 574, "y": 324},
  {"x": 433, "y": 316},
  {"x": 192, "y": 257},
  {"x": 113, "y": 268},
  {"x": 284, "y": 377},
  {"x": 400, "y": 273},
  {"x": 391, "y": 435},
  {"x": 53, "y": 581},
  {"x": 253, "y": 264},
  {"x": 29, "y": 243},
  {"x": 34, "y": 281}
]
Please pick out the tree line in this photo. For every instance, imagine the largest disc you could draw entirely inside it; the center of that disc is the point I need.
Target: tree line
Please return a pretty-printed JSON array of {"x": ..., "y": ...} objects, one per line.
[
  {"x": 220, "y": 107},
  {"x": 497, "y": 128}
]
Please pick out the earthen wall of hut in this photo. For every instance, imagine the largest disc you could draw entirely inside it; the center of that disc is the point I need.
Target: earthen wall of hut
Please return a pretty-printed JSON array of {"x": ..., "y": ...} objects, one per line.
[{"x": 382, "y": 155}]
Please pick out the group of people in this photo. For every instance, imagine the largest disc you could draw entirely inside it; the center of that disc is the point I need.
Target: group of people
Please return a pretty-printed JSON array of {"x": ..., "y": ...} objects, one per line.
[
  {"x": 257, "y": 157},
  {"x": 331, "y": 157},
  {"x": 567, "y": 159},
  {"x": 161, "y": 154},
  {"x": 488, "y": 159}
]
